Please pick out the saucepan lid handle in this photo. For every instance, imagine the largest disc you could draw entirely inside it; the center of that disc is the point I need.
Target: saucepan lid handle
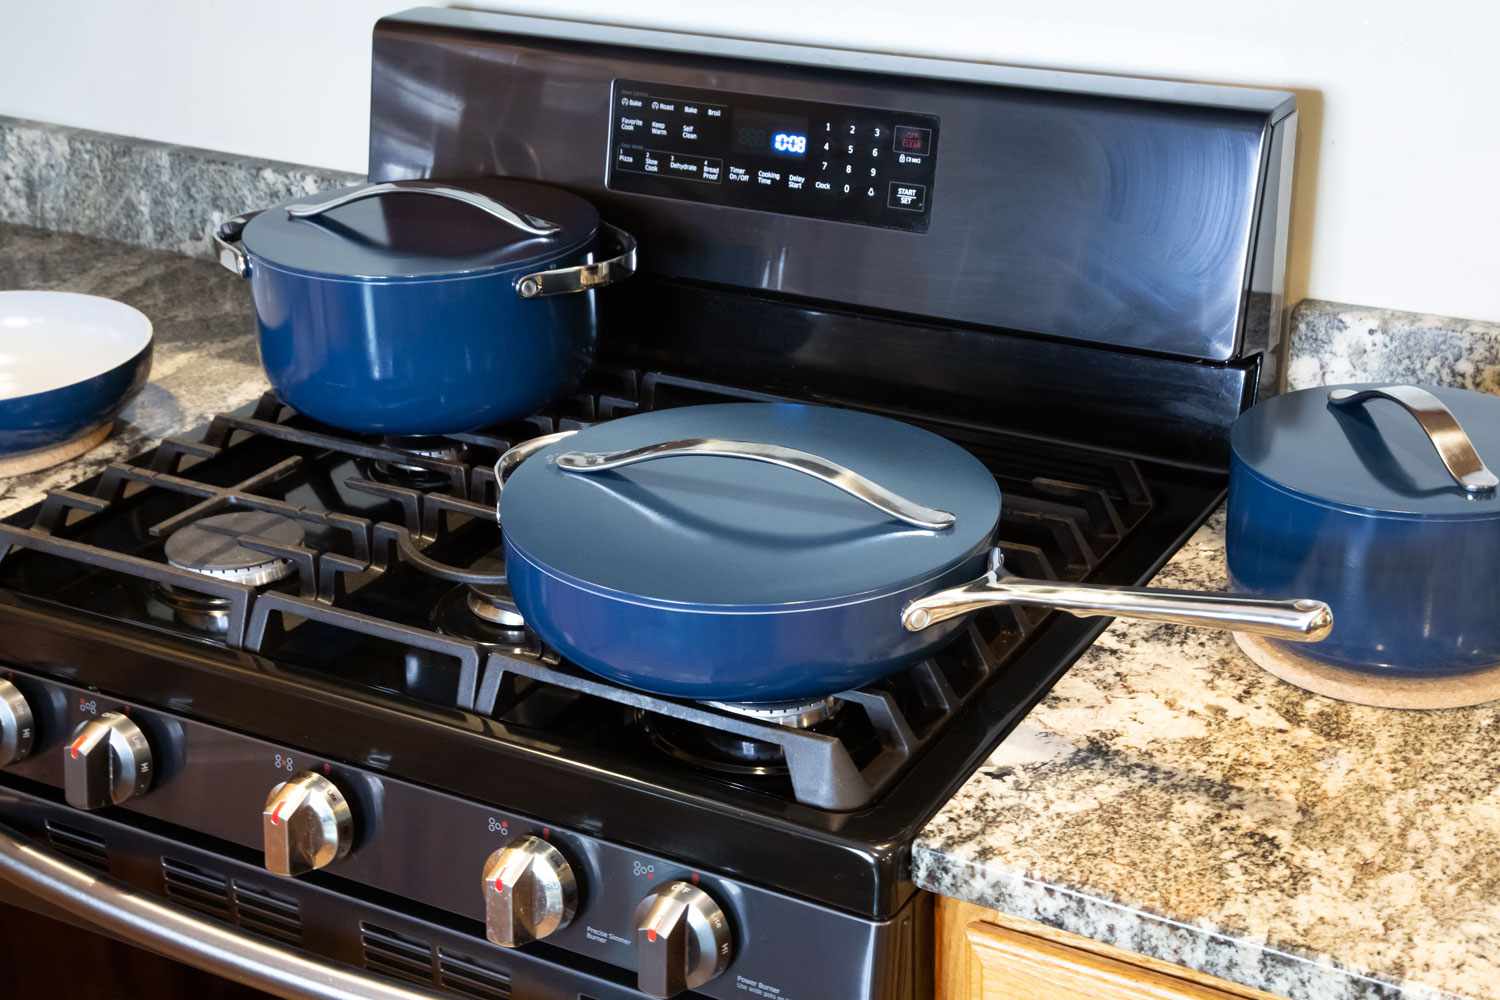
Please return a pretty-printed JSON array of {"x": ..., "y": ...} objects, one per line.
[
  {"x": 838, "y": 476},
  {"x": 1442, "y": 428},
  {"x": 530, "y": 224}
]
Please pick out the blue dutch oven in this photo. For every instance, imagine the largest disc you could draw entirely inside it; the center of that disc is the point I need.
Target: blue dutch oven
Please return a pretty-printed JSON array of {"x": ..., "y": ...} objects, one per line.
[
  {"x": 756, "y": 552},
  {"x": 1375, "y": 499},
  {"x": 416, "y": 307},
  {"x": 68, "y": 364}
]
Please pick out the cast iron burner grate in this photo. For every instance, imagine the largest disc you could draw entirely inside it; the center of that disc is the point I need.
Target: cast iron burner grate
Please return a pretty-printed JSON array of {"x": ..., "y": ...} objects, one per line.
[{"x": 395, "y": 544}]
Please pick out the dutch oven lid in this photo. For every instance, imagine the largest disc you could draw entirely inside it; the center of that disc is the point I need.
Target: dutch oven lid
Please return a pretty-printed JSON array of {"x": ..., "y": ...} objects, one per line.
[
  {"x": 712, "y": 531},
  {"x": 1368, "y": 452},
  {"x": 422, "y": 229}
]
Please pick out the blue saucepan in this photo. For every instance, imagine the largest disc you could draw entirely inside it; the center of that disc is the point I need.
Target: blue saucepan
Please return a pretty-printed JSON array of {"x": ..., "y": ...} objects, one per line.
[
  {"x": 754, "y": 552},
  {"x": 417, "y": 307},
  {"x": 1376, "y": 499},
  {"x": 68, "y": 363}
]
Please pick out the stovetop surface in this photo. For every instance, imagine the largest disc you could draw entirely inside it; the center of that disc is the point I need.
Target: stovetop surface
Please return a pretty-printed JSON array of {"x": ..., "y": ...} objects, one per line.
[{"x": 369, "y": 649}]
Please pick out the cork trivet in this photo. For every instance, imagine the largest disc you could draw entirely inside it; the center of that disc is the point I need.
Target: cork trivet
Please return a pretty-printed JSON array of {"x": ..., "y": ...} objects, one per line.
[
  {"x": 1460, "y": 691},
  {"x": 46, "y": 458}
]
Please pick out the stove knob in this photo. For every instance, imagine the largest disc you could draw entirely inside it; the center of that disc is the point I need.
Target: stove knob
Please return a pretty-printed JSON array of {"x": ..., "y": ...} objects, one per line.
[
  {"x": 529, "y": 892},
  {"x": 306, "y": 824},
  {"x": 16, "y": 725},
  {"x": 682, "y": 940},
  {"x": 107, "y": 762}
]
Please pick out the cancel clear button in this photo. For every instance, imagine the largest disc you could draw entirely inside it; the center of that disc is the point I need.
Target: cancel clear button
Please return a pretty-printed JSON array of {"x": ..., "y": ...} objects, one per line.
[{"x": 911, "y": 197}]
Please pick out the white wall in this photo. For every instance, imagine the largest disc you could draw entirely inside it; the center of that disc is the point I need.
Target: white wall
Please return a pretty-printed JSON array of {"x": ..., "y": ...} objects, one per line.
[{"x": 1398, "y": 185}]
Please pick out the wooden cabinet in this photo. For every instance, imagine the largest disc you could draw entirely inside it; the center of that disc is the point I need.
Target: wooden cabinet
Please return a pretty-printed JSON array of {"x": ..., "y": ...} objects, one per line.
[{"x": 985, "y": 955}]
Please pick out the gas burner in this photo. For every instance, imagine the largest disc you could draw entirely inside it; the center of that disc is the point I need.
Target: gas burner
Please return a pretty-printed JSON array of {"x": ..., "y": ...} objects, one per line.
[
  {"x": 493, "y": 603},
  {"x": 211, "y": 546},
  {"x": 714, "y": 750},
  {"x": 201, "y": 612},
  {"x": 400, "y": 473},
  {"x": 792, "y": 714},
  {"x": 484, "y": 612}
]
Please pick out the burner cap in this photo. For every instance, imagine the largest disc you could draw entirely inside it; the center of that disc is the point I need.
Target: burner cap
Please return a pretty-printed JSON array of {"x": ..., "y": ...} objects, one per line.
[
  {"x": 211, "y": 546},
  {"x": 792, "y": 714}
]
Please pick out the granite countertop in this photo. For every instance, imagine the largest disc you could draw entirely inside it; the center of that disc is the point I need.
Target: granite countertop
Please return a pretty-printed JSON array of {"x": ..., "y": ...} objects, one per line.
[
  {"x": 204, "y": 360},
  {"x": 1171, "y": 798}
]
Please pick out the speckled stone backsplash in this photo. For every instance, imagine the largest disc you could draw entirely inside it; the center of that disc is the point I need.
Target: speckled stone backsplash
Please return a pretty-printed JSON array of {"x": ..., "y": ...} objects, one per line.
[
  {"x": 150, "y": 194},
  {"x": 1334, "y": 343}
]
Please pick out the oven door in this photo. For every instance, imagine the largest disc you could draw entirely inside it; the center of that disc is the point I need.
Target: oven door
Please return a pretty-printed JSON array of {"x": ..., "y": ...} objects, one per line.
[{"x": 45, "y": 880}]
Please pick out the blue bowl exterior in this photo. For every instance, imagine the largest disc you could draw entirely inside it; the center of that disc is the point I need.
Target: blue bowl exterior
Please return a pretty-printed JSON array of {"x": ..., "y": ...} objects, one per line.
[
  {"x": 43, "y": 419},
  {"x": 1411, "y": 596},
  {"x": 698, "y": 653},
  {"x": 415, "y": 356}
]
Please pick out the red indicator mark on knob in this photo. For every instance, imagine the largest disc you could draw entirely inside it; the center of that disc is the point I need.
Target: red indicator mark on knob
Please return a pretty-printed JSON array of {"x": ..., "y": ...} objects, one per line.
[
  {"x": 74, "y": 750},
  {"x": 546, "y": 831},
  {"x": 650, "y": 935},
  {"x": 276, "y": 814},
  {"x": 693, "y": 878},
  {"x": 500, "y": 884}
]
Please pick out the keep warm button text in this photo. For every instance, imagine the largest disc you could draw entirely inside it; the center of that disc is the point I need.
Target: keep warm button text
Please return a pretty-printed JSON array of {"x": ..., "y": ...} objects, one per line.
[{"x": 911, "y": 197}]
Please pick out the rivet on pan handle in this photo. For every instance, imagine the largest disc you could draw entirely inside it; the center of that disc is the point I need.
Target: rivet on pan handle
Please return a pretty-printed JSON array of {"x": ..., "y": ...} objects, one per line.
[
  {"x": 1441, "y": 427},
  {"x": 808, "y": 464}
]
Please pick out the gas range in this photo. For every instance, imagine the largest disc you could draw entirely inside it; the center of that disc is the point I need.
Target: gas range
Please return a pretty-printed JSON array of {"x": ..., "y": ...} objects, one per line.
[{"x": 296, "y": 649}]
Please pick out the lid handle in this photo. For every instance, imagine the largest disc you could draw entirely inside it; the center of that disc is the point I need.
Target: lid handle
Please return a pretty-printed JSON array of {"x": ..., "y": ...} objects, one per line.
[
  {"x": 808, "y": 464},
  {"x": 1441, "y": 426},
  {"x": 525, "y": 223}
]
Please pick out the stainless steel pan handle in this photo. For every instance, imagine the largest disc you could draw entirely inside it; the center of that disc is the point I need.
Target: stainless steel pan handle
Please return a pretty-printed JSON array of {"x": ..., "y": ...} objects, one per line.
[
  {"x": 171, "y": 931},
  {"x": 620, "y": 264},
  {"x": 1293, "y": 620},
  {"x": 1439, "y": 424},
  {"x": 517, "y": 454},
  {"x": 530, "y": 224},
  {"x": 808, "y": 464}
]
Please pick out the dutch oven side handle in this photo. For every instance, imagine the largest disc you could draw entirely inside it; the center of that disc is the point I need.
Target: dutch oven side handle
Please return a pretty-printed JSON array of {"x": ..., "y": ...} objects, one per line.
[
  {"x": 1439, "y": 424},
  {"x": 226, "y": 238},
  {"x": 565, "y": 280}
]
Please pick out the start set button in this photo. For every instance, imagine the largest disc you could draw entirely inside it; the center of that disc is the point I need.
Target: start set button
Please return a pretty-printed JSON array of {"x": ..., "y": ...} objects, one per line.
[{"x": 908, "y": 196}]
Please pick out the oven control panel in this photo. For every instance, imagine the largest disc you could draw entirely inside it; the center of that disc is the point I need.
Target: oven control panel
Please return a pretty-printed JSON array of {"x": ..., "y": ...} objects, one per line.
[{"x": 868, "y": 166}]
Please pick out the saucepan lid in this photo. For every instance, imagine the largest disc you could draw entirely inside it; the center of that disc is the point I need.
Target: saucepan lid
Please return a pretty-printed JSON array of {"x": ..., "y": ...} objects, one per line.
[
  {"x": 413, "y": 230},
  {"x": 1381, "y": 449},
  {"x": 694, "y": 526}
]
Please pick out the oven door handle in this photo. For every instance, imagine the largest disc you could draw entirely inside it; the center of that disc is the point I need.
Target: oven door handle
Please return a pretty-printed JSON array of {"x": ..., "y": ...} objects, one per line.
[{"x": 173, "y": 932}]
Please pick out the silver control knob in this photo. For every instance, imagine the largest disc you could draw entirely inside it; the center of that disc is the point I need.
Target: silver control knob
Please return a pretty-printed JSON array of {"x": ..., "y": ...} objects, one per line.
[
  {"x": 682, "y": 940},
  {"x": 17, "y": 728},
  {"x": 306, "y": 824},
  {"x": 106, "y": 762},
  {"x": 529, "y": 892}
]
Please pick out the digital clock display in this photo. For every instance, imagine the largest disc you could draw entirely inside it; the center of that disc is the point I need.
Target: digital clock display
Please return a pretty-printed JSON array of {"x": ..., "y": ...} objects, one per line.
[{"x": 769, "y": 134}]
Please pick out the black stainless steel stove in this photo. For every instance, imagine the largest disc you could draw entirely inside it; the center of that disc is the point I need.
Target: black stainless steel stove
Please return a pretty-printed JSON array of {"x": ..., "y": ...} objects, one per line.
[{"x": 271, "y": 601}]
